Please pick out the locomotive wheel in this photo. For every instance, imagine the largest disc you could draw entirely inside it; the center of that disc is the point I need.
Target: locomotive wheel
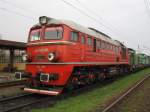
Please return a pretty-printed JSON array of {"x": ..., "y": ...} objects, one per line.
[
  {"x": 101, "y": 76},
  {"x": 87, "y": 81},
  {"x": 70, "y": 87},
  {"x": 92, "y": 78},
  {"x": 72, "y": 84}
]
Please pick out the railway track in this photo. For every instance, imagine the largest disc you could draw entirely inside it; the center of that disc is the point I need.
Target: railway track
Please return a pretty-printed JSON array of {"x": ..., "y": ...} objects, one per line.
[
  {"x": 26, "y": 102},
  {"x": 12, "y": 83},
  {"x": 22, "y": 102},
  {"x": 125, "y": 94}
]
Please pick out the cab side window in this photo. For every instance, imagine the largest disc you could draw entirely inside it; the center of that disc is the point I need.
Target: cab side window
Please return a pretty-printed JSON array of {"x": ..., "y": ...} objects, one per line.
[
  {"x": 82, "y": 39},
  {"x": 98, "y": 44},
  {"x": 89, "y": 41},
  {"x": 103, "y": 45},
  {"x": 74, "y": 36}
]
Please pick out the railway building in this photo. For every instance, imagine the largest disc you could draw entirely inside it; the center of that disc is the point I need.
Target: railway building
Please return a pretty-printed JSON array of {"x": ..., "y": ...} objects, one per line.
[{"x": 10, "y": 55}]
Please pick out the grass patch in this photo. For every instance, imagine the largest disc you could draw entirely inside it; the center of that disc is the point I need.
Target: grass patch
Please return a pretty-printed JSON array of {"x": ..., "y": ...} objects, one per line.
[{"x": 96, "y": 98}]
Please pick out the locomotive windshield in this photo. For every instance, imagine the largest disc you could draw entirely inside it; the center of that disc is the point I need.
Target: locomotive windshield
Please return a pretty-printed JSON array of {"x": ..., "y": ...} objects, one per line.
[
  {"x": 50, "y": 33},
  {"x": 53, "y": 33},
  {"x": 35, "y": 35}
]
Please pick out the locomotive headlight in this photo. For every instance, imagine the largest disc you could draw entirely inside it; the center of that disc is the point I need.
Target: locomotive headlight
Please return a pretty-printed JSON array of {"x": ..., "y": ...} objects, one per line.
[
  {"x": 51, "y": 56},
  {"x": 46, "y": 77},
  {"x": 43, "y": 20}
]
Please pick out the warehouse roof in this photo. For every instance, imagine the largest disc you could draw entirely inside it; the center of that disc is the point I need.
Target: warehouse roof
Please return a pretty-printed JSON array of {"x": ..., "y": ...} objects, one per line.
[{"x": 12, "y": 44}]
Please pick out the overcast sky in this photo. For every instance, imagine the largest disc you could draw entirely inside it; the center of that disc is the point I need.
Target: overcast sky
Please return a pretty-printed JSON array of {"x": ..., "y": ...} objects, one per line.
[{"x": 125, "y": 20}]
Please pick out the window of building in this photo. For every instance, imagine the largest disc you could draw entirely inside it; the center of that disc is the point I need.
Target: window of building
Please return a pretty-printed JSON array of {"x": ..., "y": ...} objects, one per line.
[
  {"x": 106, "y": 46},
  {"x": 94, "y": 45},
  {"x": 98, "y": 44},
  {"x": 53, "y": 33},
  {"x": 112, "y": 48},
  {"x": 74, "y": 36},
  {"x": 89, "y": 41},
  {"x": 109, "y": 46},
  {"x": 102, "y": 44},
  {"x": 82, "y": 39},
  {"x": 35, "y": 35},
  {"x": 116, "y": 49}
]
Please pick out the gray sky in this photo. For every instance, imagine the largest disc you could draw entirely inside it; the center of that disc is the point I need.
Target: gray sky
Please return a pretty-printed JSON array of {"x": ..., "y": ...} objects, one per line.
[{"x": 124, "y": 20}]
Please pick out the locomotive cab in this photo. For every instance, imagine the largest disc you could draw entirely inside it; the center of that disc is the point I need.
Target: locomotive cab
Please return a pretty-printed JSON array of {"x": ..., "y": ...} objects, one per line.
[{"x": 44, "y": 42}]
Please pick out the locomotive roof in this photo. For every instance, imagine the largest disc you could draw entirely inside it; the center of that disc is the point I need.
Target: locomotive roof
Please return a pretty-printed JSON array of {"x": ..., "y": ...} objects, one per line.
[{"x": 90, "y": 31}]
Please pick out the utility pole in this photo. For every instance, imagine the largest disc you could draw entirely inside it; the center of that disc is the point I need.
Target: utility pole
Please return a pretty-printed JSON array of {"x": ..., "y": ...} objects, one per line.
[{"x": 138, "y": 49}]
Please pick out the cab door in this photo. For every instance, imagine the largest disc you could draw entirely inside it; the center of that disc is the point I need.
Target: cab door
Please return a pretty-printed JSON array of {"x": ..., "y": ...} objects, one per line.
[
  {"x": 123, "y": 54},
  {"x": 83, "y": 41},
  {"x": 94, "y": 45}
]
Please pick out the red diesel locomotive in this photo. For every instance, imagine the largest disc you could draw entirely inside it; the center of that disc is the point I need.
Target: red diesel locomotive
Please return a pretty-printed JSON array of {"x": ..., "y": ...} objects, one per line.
[{"x": 62, "y": 54}]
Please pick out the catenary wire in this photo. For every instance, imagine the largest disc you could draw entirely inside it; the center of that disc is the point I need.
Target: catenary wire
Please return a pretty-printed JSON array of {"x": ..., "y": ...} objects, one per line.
[
  {"x": 94, "y": 13},
  {"x": 86, "y": 14},
  {"x": 17, "y": 6},
  {"x": 16, "y": 13}
]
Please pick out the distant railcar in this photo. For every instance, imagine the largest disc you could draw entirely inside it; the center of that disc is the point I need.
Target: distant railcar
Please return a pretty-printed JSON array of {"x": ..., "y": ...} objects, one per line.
[{"x": 138, "y": 60}]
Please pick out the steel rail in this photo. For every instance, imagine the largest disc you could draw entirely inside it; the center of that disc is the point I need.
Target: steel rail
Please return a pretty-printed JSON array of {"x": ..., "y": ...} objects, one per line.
[
  {"x": 27, "y": 104},
  {"x": 15, "y": 99},
  {"x": 51, "y": 100},
  {"x": 126, "y": 93},
  {"x": 12, "y": 83}
]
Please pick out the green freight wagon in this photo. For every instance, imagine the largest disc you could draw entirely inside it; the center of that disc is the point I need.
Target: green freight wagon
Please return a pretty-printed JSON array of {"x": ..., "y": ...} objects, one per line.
[
  {"x": 141, "y": 58},
  {"x": 147, "y": 60},
  {"x": 138, "y": 59},
  {"x": 132, "y": 56}
]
